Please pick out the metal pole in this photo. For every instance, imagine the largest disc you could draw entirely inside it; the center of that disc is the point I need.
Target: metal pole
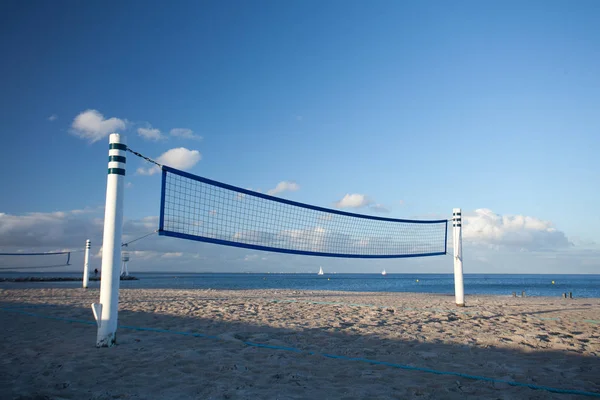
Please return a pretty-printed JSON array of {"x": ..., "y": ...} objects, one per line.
[
  {"x": 106, "y": 312},
  {"x": 459, "y": 289},
  {"x": 86, "y": 263}
]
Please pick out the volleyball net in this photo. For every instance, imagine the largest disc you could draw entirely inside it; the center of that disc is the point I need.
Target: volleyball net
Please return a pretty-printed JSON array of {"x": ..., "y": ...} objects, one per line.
[
  {"x": 22, "y": 260},
  {"x": 201, "y": 209}
]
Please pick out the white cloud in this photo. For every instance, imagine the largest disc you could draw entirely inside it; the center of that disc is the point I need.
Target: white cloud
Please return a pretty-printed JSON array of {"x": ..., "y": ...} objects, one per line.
[
  {"x": 53, "y": 117},
  {"x": 179, "y": 158},
  {"x": 484, "y": 252},
  {"x": 254, "y": 236},
  {"x": 353, "y": 201},
  {"x": 61, "y": 228},
  {"x": 172, "y": 254},
  {"x": 141, "y": 255},
  {"x": 284, "y": 186},
  {"x": 145, "y": 224},
  {"x": 150, "y": 133},
  {"x": 155, "y": 169},
  {"x": 88, "y": 210},
  {"x": 92, "y": 126},
  {"x": 485, "y": 227},
  {"x": 315, "y": 239},
  {"x": 184, "y": 133}
]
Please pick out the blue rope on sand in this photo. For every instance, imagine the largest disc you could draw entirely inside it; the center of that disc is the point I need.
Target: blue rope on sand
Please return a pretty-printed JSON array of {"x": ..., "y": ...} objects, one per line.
[{"x": 333, "y": 356}]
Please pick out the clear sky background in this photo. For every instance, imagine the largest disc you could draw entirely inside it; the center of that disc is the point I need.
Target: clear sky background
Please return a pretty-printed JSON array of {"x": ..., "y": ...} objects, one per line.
[{"x": 416, "y": 107}]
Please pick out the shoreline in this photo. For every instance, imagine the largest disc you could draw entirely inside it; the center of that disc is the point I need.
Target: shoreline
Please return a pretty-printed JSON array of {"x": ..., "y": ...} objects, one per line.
[
  {"x": 514, "y": 295},
  {"x": 61, "y": 279}
]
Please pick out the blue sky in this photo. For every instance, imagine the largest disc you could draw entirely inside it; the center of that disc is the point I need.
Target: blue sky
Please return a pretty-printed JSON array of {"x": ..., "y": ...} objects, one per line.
[{"x": 418, "y": 106}]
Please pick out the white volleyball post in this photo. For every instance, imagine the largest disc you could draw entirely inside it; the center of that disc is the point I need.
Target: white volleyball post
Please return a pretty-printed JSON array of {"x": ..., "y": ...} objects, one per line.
[
  {"x": 106, "y": 312},
  {"x": 459, "y": 288},
  {"x": 86, "y": 263}
]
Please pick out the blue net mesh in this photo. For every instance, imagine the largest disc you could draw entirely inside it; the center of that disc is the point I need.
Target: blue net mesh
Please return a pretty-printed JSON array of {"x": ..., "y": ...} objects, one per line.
[
  {"x": 201, "y": 209},
  {"x": 18, "y": 261}
]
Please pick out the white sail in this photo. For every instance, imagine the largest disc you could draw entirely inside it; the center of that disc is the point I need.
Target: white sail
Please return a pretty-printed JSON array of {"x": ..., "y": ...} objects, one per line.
[
  {"x": 320, "y": 271},
  {"x": 383, "y": 272}
]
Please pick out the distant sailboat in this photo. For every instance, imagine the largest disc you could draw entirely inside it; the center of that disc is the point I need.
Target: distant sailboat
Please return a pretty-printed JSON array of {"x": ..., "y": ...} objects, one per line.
[
  {"x": 320, "y": 271},
  {"x": 383, "y": 272}
]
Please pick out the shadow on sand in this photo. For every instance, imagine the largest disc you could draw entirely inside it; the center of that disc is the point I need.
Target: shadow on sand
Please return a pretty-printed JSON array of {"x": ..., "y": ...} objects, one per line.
[{"x": 48, "y": 352}]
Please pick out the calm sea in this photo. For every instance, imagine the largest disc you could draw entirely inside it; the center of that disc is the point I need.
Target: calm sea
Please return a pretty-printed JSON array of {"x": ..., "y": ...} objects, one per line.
[{"x": 495, "y": 284}]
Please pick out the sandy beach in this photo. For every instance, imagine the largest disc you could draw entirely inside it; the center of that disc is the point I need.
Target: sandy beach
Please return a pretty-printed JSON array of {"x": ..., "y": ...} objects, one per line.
[{"x": 290, "y": 344}]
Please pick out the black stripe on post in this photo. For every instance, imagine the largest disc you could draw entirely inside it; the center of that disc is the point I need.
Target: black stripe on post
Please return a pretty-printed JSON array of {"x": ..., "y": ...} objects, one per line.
[
  {"x": 118, "y": 171},
  {"x": 120, "y": 159},
  {"x": 117, "y": 146}
]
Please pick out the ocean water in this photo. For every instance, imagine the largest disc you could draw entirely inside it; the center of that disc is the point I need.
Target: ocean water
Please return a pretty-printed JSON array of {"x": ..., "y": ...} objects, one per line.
[{"x": 484, "y": 284}]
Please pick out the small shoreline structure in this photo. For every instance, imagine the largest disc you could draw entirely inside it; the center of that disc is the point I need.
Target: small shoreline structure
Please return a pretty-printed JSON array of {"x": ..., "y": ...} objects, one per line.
[{"x": 59, "y": 279}]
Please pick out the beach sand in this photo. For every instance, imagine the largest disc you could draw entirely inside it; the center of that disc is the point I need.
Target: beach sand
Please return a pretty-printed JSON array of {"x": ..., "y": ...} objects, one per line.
[{"x": 48, "y": 350}]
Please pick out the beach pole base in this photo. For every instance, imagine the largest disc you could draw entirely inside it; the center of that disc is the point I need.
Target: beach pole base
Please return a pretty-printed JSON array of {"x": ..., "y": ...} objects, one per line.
[
  {"x": 460, "y": 305},
  {"x": 107, "y": 341}
]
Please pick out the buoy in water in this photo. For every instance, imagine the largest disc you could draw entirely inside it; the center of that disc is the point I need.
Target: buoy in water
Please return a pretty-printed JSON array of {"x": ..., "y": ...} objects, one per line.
[
  {"x": 417, "y": 280},
  {"x": 553, "y": 282}
]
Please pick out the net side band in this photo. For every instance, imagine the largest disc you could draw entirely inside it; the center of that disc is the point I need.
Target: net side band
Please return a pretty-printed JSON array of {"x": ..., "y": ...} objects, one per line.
[{"x": 290, "y": 251}]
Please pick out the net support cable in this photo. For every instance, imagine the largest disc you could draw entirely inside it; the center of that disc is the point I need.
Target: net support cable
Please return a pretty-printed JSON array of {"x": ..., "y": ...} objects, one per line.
[{"x": 140, "y": 238}]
